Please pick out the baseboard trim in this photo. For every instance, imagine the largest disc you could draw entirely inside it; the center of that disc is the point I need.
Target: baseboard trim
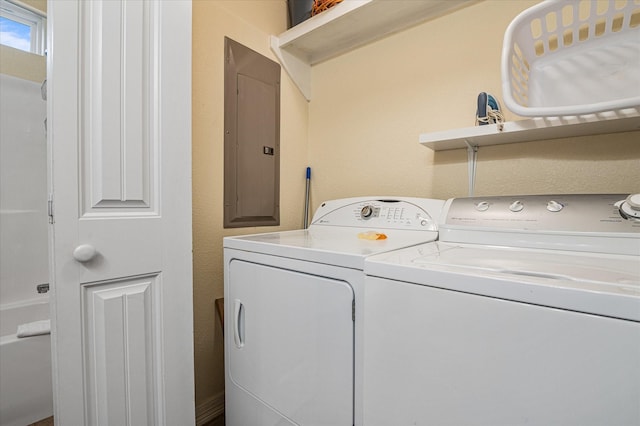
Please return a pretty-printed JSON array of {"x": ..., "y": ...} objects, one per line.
[{"x": 210, "y": 409}]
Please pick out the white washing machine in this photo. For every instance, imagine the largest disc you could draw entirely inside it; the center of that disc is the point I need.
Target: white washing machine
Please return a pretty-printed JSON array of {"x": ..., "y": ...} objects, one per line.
[
  {"x": 526, "y": 311},
  {"x": 293, "y": 314}
]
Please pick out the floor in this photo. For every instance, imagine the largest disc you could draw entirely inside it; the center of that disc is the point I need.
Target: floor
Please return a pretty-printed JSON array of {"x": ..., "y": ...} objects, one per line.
[
  {"x": 45, "y": 422},
  {"x": 218, "y": 421}
]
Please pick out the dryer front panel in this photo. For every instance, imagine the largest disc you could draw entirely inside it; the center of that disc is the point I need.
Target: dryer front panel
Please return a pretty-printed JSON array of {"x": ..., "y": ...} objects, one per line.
[{"x": 291, "y": 342}]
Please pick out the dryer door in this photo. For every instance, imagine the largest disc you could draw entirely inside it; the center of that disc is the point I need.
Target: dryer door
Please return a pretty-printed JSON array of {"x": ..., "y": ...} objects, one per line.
[{"x": 292, "y": 344}]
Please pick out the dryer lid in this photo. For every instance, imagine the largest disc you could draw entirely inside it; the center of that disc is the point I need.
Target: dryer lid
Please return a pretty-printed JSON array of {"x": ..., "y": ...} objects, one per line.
[
  {"x": 341, "y": 231},
  {"x": 340, "y": 246}
]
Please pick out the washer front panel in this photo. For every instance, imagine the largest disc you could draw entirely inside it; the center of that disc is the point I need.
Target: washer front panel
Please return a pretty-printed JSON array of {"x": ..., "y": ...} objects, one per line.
[{"x": 440, "y": 357}]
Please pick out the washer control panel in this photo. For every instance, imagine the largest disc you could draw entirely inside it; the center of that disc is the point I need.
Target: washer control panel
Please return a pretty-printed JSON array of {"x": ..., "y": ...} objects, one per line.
[
  {"x": 383, "y": 213},
  {"x": 575, "y": 213}
]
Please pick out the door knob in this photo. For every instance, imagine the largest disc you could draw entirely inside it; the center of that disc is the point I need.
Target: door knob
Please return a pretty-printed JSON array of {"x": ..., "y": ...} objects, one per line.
[{"x": 84, "y": 253}]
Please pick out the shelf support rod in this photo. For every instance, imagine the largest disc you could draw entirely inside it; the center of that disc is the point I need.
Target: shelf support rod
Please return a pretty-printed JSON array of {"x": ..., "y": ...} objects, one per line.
[{"x": 472, "y": 160}]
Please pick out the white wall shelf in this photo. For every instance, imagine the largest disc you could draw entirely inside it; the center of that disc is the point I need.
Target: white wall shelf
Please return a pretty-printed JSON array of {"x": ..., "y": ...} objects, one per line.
[
  {"x": 543, "y": 128},
  {"x": 347, "y": 26}
]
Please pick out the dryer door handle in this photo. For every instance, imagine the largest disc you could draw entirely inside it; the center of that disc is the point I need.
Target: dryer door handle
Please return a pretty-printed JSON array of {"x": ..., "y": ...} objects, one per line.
[{"x": 238, "y": 323}]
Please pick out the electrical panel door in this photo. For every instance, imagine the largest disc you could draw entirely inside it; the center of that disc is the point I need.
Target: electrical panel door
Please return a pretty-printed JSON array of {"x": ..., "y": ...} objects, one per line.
[{"x": 252, "y": 138}]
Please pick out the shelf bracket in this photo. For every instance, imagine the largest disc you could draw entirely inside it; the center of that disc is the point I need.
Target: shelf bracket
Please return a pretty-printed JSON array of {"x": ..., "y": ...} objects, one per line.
[
  {"x": 472, "y": 160},
  {"x": 298, "y": 70}
]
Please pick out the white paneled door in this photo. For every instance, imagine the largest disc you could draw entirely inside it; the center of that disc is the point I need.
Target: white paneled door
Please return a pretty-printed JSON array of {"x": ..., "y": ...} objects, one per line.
[{"x": 119, "y": 114}]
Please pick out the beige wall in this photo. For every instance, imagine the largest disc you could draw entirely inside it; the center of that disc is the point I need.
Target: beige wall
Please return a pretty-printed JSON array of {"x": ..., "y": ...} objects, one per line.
[
  {"x": 360, "y": 133},
  {"x": 249, "y": 22},
  {"x": 22, "y": 64},
  {"x": 37, "y": 4},
  {"x": 369, "y": 106}
]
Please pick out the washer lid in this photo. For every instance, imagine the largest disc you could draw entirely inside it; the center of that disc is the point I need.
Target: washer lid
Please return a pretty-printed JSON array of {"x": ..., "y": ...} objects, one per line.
[
  {"x": 332, "y": 245},
  {"x": 594, "y": 283}
]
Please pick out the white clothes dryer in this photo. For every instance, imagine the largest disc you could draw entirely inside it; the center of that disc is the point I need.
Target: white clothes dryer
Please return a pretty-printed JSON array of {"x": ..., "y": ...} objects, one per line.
[
  {"x": 526, "y": 311},
  {"x": 293, "y": 314}
]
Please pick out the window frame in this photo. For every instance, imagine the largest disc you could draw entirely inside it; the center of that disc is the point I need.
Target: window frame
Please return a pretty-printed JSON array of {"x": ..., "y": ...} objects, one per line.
[{"x": 35, "y": 19}]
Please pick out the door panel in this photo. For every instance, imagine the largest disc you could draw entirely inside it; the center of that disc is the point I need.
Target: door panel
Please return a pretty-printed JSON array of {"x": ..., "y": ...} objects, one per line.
[
  {"x": 256, "y": 128},
  {"x": 120, "y": 339},
  {"x": 293, "y": 342},
  {"x": 118, "y": 149}
]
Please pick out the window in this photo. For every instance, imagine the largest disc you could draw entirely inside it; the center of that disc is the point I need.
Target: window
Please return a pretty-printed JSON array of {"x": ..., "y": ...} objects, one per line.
[{"x": 22, "y": 27}]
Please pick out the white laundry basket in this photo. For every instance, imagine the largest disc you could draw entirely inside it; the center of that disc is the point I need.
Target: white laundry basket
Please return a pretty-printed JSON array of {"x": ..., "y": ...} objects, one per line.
[{"x": 572, "y": 57}]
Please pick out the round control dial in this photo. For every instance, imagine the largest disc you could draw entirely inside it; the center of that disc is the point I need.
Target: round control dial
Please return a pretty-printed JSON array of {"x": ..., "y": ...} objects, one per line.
[
  {"x": 516, "y": 206},
  {"x": 366, "y": 212},
  {"x": 630, "y": 208},
  {"x": 554, "y": 206},
  {"x": 482, "y": 206}
]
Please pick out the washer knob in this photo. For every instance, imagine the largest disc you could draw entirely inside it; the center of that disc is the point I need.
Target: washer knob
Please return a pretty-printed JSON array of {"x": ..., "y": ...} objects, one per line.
[
  {"x": 631, "y": 206},
  {"x": 482, "y": 206},
  {"x": 554, "y": 206},
  {"x": 366, "y": 212},
  {"x": 516, "y": 206},
  {"x": 633, "y": 201}
]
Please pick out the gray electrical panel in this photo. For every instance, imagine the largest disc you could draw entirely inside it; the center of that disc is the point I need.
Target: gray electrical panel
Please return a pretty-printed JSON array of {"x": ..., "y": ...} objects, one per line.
[{"x": 251, "y": 138}]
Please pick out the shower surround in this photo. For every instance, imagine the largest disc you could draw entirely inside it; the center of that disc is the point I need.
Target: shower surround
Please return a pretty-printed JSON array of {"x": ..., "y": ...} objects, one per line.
[{"x": 25, "y": 367}]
